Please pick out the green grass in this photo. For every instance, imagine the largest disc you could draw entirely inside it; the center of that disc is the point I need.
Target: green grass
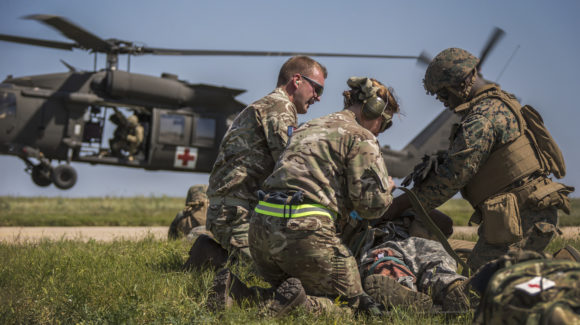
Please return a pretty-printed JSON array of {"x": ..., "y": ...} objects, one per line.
[
  {"x": 153, "y": 211},
  {"x": 123, "y": 282},
  {"x": 107, "y": 211},
  {"x": 460, "y": 210}
]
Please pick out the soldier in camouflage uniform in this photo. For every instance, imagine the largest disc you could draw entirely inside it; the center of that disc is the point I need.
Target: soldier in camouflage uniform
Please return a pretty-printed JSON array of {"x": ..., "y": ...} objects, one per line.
[
  {"x": 193, "y": 215},
  {"x": 251, "y": 147},
  {"x": 332, "y": 166},
  {"x": 127, "y": 137},
  {"x": 403, "y": 269},
  {"x": 489, "y": 160}
]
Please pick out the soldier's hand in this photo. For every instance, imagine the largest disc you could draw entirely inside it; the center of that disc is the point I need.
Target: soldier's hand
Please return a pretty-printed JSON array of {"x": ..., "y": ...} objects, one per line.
[{"x": 392, "y": 185}]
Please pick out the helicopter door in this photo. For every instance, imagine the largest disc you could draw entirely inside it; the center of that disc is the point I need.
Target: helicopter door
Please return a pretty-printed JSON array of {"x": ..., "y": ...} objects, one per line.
[{"x": 170, "y": 141}]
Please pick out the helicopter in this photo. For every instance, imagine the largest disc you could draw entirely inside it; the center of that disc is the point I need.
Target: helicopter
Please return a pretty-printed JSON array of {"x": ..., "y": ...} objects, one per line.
[{"x": 62, "y": 116}]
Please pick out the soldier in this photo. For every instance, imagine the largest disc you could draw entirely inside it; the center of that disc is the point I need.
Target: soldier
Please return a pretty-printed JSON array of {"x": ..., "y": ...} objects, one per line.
[
  {"x": 193, "y": 215},
  {"x": 251, "y": 147},
  {"x": 492, "y": 159},
  {"x": 332, "y": 165},
  {"x": 128, "y": 137},
  {"x": 405, "y": 268}
]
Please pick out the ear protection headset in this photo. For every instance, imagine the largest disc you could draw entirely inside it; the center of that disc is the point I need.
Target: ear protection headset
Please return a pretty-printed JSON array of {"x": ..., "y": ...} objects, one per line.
[{"x": 373, "y": 107}]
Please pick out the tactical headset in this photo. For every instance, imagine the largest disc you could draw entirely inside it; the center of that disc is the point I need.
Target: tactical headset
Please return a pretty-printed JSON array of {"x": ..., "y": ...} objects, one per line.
[{"x": 373, "y": 107}]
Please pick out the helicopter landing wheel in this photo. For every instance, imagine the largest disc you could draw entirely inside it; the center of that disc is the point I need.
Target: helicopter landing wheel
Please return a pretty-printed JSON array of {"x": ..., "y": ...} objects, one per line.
[
  {"x": 41, "y": 175},
  {"x": 64, "y": 176}
]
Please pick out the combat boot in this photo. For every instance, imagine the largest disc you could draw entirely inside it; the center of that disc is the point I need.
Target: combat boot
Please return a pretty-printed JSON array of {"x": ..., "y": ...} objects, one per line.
[
  {"x": 226, "y": 289},
  {"x": 288, "y": 296},
  {"x": 390, "y": 293},
  {"x": 455, "y": 297},
  {"x": 205, "y": 252}
]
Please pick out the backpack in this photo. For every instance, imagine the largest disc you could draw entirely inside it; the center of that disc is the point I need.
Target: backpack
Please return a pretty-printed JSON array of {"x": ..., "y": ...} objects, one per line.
[
  {"x": 537, "y": 291},
  {"x": 550, "y": 154}
]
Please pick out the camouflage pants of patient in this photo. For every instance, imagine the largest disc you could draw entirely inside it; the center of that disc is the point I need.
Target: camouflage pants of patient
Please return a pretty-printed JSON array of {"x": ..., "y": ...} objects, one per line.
[
  {"x": 306, "y": 248},
  {"x": 538, "y": 227},
  {"x": 229, "y": 225},
  {"x": 433, "y": 267}
]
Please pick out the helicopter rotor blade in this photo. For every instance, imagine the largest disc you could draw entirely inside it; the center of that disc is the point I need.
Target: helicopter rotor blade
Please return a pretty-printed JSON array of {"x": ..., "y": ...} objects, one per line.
[
  {"x": 84, "y": 38},
  {"x": 495, "y": 36},
  {"x": 37, "y": 42},
  {"x": 424, "y": 58},
  {"x": 163, "y": 51}
]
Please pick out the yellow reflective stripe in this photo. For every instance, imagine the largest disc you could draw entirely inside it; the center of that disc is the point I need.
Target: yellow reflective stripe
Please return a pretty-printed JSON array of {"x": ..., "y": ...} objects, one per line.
[
  {"x": 271, "y": 205},
  {"x": 269, "y": 213},
  {"x": 311, "y": 213},
  {"x": 292, "y": 211},
  {"x": 297, "y": 207}
]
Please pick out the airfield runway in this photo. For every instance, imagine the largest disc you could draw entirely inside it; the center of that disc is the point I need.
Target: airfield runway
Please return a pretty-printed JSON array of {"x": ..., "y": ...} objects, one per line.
[{"x": 36, "y": 234}]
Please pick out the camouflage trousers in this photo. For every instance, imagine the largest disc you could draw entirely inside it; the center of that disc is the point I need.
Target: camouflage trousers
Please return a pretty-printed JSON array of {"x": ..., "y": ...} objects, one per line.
[
  {"x": 229, "y": 225},
  {"x": 434, "y": 268},
  {"x": 306, "y": 248},
  {"x": 538, "y": 228}
]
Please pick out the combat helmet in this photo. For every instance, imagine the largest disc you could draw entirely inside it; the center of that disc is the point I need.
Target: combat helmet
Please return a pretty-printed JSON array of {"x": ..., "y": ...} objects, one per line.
[{"x": 449, "y": 69}]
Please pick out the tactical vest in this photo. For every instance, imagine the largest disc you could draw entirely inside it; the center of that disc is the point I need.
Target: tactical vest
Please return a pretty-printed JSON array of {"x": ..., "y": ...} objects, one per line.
[{"x": 510, "y": 162}]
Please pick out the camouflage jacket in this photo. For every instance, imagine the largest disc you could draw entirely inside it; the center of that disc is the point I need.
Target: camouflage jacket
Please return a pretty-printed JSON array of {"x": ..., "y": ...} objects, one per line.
[
  {"x": 251, "y": 147},
  {"x": 486, "y": 124},
  {"x": 336, "y": 163}
]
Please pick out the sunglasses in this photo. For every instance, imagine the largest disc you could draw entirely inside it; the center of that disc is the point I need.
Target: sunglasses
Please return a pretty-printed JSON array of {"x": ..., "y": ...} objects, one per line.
[{"x": 318, "y": 88}]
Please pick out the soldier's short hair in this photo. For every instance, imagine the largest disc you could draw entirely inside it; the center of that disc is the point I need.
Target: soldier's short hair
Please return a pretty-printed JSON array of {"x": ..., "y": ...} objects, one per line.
[{"x": 298, "y": 64}]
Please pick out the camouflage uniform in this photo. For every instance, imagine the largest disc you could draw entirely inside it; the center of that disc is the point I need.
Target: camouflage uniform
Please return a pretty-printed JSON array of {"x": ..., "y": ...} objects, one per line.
[
  {"x": 487, "y": 124},
  {"x": 434, "y": 269},
  {"x": 247, "y": 156},
  {"x": 193, "y": 215},
  {"x": 135, "y": 136},
  {"x": 528, "y": 288},
  {"x": 128, "y": 137},
  {"x": 337, "y": 164}
]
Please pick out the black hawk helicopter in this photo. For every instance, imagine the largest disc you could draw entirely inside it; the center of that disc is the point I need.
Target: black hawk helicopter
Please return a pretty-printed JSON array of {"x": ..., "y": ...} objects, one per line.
[{"x": 62, "y": 116}]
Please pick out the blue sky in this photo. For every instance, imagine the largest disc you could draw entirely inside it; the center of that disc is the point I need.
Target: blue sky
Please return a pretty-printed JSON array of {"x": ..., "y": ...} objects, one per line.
[{"x": 544, "y": 71}]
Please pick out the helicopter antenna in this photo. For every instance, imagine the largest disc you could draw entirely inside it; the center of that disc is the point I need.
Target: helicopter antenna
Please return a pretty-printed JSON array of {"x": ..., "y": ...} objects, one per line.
[
  {"x": 507, "y": 63},
  {"x": 95, "y": 63},
  {"x": 129, "y": 63}
]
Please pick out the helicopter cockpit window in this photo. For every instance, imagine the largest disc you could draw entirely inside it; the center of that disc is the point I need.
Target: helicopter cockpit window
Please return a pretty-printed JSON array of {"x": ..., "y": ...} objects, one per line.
[
  {"x": 174, "y": 129},
  {"x": 204, "y": 132},
  {"x": 7, "y": 104}
]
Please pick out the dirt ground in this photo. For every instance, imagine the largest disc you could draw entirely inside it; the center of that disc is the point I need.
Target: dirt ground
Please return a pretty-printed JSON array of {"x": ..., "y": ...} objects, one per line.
[{"x": 35, "y": 234}]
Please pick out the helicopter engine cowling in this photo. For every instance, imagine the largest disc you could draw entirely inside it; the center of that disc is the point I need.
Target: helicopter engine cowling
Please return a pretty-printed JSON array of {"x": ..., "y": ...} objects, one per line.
[{"x": 150, "y": 89}]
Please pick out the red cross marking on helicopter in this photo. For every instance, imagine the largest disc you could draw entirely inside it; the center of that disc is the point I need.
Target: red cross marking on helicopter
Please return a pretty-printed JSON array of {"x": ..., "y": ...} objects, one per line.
[{"x": 185, "y": 157}]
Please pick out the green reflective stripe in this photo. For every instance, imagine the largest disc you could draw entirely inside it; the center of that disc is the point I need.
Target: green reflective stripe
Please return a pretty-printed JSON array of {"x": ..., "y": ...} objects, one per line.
[{"x": 292, "y": 211}]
